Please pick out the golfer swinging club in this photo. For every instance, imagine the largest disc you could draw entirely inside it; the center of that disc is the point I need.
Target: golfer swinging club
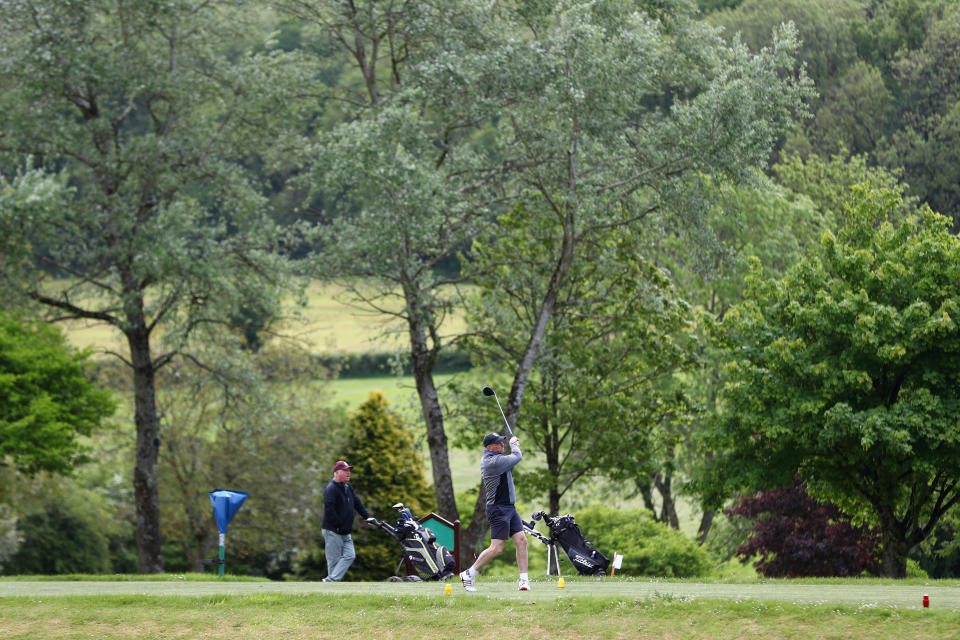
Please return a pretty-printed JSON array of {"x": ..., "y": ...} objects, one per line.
[{"x": 495, "y": 471}]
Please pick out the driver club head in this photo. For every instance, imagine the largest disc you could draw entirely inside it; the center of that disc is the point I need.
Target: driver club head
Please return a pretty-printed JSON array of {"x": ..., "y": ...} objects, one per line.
[{"x": 488, "y": 391}]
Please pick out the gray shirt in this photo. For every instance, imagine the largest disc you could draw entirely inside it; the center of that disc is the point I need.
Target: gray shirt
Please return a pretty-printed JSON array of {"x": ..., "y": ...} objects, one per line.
[{"x": 495, "y": 472}]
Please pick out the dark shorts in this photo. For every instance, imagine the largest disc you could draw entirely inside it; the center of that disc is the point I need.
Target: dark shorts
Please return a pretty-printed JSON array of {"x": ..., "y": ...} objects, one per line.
[{"x": 504, "y": 521}]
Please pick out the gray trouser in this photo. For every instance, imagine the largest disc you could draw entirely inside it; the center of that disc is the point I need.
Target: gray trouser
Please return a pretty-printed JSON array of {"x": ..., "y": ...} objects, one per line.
[{"x": 339, "y": 552}]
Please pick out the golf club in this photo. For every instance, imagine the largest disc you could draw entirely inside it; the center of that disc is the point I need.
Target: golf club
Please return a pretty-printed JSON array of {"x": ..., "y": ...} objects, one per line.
[{"x": 488, "y": 391}]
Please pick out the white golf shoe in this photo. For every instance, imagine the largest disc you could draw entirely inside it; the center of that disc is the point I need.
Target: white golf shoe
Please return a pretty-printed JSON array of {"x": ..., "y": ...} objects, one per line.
[
  {"x": 469, "y": 582},
  {"x": 523, "y": 585}
]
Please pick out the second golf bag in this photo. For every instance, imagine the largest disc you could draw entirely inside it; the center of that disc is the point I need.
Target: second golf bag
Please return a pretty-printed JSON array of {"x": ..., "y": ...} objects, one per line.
[
  {"x": 584, "y": 557},
  {"x": 431, "y": 560}
]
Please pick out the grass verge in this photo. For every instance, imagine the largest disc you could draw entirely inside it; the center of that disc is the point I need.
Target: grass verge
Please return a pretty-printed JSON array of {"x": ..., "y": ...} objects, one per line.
[{"x": 272, "y": 616}]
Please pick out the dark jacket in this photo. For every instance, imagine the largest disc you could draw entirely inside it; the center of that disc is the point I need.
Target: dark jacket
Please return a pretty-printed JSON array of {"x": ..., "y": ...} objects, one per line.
[{"x": 339, "y": 504}]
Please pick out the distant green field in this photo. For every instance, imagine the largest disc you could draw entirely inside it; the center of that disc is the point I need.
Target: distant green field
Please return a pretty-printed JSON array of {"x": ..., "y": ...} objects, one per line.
[
  {"x": 400, "y": 392},
  {"x": 328, "y": 324}
]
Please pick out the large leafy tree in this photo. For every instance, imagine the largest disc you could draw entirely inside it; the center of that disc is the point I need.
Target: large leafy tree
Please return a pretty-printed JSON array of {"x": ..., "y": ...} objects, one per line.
[
  {"x": 845, "y": 371},
  {"x": 774, "y": 224},
  {"x": 597, "y": 389},
  {"x": 161, "y": 228},
  {"x": 616, "y": 112},
  {"x": 404, "y": 181},
  {"x": 46, "y": 402}
]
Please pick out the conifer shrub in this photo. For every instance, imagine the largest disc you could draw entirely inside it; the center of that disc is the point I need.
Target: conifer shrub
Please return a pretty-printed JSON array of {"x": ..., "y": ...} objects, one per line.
[{"x": 387, "y": 468}]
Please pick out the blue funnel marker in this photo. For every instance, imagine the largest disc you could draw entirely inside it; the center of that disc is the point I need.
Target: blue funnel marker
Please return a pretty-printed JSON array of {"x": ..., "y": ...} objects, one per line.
[{"x": 225, "y": 506}]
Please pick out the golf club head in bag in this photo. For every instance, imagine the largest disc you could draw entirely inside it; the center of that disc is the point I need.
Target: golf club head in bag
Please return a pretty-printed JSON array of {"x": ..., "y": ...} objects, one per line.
[
  {"x": 529, "y": 528},
  {"x": 431, "y": 560}
]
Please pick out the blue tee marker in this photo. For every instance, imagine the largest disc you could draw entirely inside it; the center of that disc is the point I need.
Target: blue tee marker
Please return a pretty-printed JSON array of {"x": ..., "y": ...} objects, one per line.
[{"x": 225, "y": 506}]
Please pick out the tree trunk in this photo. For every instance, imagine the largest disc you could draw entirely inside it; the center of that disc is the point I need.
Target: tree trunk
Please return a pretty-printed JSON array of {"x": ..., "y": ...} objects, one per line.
[
  {"x": 893, "y": 561},
  {"x": 551, "y": 449},
  {"x": 437, "y": 442},
  {"x": 145, "y": 480},
  {"x": 893, "y": 554},
  {"x": 554, "y": 500},
  {"x": 472, "y": 536},
  {"x": 645, "y": 489},
  {"x": 668, "y": 509},
  {"x": 422, "y": 359},
  {"x": 706, "y": 521}
]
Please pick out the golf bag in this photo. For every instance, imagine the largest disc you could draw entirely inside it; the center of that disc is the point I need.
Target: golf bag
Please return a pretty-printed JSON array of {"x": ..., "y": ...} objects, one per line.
[
  {"x": 584, "y": 557},
  {"x": 431, "y": 560}
]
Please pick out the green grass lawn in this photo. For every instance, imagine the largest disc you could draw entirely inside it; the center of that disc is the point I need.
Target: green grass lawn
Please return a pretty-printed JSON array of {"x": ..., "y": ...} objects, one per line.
[
  {"x": 328, "y": 324},
  {"x": 401, "y": 392},
  {"x": 585, "y": 608}
]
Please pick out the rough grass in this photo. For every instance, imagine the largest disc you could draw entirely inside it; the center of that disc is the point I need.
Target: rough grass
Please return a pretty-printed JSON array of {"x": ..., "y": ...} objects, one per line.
[{"x": 622, "y": 609}]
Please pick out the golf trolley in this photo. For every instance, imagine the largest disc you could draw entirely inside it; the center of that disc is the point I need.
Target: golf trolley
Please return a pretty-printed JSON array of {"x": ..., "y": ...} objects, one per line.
[
  {"x": 565, "y": 532},
  {"x": 431, "y": 560}
]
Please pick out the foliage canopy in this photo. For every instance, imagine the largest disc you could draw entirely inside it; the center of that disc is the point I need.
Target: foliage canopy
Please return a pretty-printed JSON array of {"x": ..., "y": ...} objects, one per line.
[
  {"x": 46, "y": 402},
  {"x": 845, "y": 371}
]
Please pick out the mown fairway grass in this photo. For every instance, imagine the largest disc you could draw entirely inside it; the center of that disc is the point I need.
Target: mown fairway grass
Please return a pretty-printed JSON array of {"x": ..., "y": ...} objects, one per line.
[{"x": 586, "y": 608}]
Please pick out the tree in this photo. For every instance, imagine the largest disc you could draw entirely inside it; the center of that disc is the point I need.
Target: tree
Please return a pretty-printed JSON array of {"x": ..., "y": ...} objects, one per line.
[
  {"x": 161, "y": 228},
  {"x": 827, "y": 183},
  {"x": 46, "y": 401},
  {"x": 845, "y": 370},
  {"x": 403, "y": 180},
  {"x": 893, "y": 28},
  {"x": 796, "y": 536},
  {"x": 825, "y": 33},
  {"x": 854, "y": 113},
  {"x": 597, "y": 388},
  {"x": 616, "y": 113},
  {"x": 925, "y": 139}
]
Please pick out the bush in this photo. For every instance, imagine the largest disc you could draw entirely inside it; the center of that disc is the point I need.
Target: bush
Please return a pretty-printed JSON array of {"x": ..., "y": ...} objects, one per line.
[
  {"x": 60, "y": 540},
  {"x": 373, "y": 364},
  {"x": 914, "y": 570},
  {"x": 648, "y": 547},
  {"x": 796, "y": 536}
]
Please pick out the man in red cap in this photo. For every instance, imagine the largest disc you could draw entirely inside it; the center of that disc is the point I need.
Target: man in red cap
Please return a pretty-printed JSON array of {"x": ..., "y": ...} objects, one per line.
[{"x": 339, "y": 504}]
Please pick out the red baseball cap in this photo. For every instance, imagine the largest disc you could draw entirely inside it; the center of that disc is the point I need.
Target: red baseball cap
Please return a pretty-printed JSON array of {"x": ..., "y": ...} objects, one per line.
[{"x": 341, "y": 465}]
